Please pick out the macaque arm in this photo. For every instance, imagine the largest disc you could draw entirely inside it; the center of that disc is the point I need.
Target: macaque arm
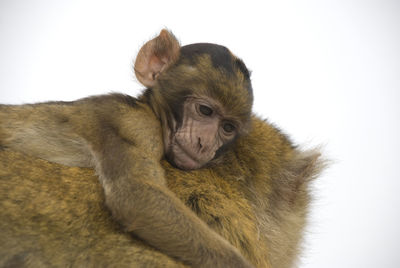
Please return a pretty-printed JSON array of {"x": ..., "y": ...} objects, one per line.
[
  {"x": 135, "y": 192},
  {"x": 154, "y": 214}
]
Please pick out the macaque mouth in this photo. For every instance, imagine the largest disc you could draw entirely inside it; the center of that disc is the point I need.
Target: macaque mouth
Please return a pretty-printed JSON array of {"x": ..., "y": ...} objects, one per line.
[
  {"x": 186, "y": 151},
  {"x": 183, "y": 158}
]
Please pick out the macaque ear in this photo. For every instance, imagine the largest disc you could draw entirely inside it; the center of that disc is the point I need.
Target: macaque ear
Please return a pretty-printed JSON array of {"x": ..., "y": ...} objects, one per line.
[{"x": 155, "y": 57}]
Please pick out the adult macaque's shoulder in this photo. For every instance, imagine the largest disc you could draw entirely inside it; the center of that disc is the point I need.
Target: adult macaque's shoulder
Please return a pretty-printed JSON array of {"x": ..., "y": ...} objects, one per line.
[{"x": 135, "y": 123}]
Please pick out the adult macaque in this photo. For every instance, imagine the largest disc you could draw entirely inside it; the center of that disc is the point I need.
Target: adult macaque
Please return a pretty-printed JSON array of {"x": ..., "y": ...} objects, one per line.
[
  {"x": 197, "y": 102},
  {"x": 256, "y": 197}
]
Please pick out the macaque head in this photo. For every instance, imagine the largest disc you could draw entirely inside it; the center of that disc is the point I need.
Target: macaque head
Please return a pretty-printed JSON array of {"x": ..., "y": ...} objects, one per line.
[{"x": 202, "y": 94}]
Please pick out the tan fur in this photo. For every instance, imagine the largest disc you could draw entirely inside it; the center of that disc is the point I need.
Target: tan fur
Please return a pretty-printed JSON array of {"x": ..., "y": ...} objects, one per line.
[{"x": 256, "y": 197}]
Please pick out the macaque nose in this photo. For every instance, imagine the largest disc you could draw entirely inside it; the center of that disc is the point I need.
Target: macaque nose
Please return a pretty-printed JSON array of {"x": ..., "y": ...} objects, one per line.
[
  {"x": 207, "y": 137},
  {"x": 203, "y": 145},
  {"x": 199, "y": 143}
]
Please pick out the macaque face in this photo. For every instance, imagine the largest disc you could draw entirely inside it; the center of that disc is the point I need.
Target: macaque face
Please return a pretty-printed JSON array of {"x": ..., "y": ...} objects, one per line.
[
  {"x": 206, "y": 98},
  {"x": 204, "y": 129}
]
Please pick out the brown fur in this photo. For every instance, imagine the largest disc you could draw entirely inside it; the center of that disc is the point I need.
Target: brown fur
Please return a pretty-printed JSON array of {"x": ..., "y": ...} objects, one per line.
[
  {"x": 256, "y": 197},
  {"x": 125, "y": 139}
]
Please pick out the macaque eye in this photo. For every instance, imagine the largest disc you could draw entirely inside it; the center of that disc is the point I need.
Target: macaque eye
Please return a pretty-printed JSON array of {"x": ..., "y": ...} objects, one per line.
[
  {"x": 205, "y": 110},
  {"x": 228, "y": 127}
]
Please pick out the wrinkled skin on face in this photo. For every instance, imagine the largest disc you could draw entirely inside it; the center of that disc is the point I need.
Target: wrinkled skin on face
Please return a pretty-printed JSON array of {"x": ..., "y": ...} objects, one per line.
[{"x": 204, "y": 129}]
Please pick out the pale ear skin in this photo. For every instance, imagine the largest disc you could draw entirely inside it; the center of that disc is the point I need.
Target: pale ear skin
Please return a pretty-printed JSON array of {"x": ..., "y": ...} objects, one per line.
[{"x": 155, "y": 57}]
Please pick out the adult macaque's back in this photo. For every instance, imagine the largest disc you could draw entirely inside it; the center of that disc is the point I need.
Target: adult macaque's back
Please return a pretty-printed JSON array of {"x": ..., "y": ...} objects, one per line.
[{"x": 256, "y": 198}]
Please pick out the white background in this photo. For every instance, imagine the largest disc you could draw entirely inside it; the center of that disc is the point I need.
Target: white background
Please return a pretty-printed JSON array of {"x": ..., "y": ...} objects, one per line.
[{"x": 326, "y": 72}]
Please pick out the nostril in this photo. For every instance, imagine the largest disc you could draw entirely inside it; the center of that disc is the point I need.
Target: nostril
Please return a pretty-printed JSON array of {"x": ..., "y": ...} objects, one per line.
[{"x": 200, "y": 145}]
